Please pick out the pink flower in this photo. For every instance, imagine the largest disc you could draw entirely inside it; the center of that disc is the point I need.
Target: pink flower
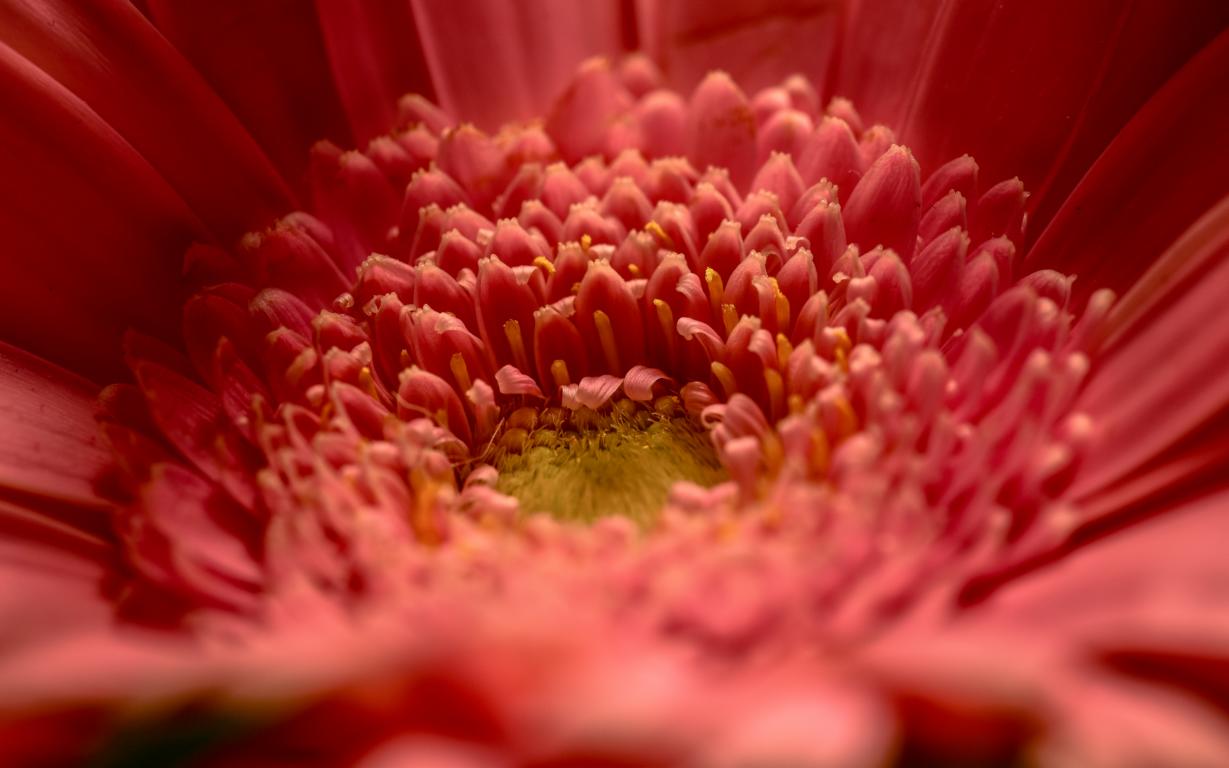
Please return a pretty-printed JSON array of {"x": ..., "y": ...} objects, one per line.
[{"x": 860, "y": 406}]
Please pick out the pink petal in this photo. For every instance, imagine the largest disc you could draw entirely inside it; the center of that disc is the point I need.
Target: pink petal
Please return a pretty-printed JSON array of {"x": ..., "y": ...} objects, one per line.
[
  {"x": 49, "y": 443},
  {"x": 638, "y": 382},
  {"x": 1166, "y": 358}
]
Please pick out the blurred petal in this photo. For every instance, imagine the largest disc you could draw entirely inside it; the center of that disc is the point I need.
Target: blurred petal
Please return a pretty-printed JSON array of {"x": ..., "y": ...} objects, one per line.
[{"x": 110, "y": 57}]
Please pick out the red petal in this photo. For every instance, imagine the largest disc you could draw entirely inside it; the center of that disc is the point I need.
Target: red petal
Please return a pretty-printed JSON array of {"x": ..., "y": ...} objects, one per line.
[
  {"x": 269, "y": 63},
  {"x": 493, "y": 61},
  {"x": 49, "y": 443},
  {"x": 113, "y": 60},
  {"x": 374, "y": 59},
  {"x": 93, "y": 234},
  {"x": 1161, "y": 172},
  {"x": 974, "y": 80},
  {"x": 758, "y": 43},
  {"x": 1166, "y": 358}
]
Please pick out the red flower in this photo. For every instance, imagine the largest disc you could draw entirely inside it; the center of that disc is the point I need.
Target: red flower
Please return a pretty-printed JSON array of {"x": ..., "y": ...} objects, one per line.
[{"x": 653, "y": 416}]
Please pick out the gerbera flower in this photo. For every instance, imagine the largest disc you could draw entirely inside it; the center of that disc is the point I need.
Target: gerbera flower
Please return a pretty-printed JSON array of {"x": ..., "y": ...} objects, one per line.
[{"x": 657, "y": 384}]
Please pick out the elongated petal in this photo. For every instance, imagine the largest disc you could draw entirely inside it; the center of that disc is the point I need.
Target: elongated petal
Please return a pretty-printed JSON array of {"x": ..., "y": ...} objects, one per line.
[
  {"x": 522, "y": 53},
  {"x": 114, "y": 61},
  {"x": 974, "y": 81},
  {"x": 1154, "y": 180},
  {"x": 273, "y": 70},
  {"x": 93, "y": 235},
  {"x": 757, "y": 43},
  {"x": 375, "y": 59}
]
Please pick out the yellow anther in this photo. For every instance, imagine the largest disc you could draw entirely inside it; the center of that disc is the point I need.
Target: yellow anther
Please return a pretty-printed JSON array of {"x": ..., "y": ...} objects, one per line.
[
  {"x": 544, "y": 264},
  {"x": 512, "y": 331},
  {"x": 820, "y": 452},
  {"x": 725, "y": 377},
  {"x": 460, "y": 372},
  {"x": 665, "y": 317},
  {"x": 605, "y": 335},
  {"x": 784, "y": 350},
  {"x": 729, "y": 318},
  {"x": 634, "y": 269},
  {"x": 847, "y": 420},
  {"x": 776, "y": 391},
  {"x": 654, "y": 229},
  {"x": 772, "y": 452},
  {"x": 559, "y": 372},
  {"x": 367, "y": 382},
  {"x": 782, "y": 308},
  {"x": 716, "y": 289},
  {"x": 586, "y": 242},
  {"x": 404, "y": 357}
]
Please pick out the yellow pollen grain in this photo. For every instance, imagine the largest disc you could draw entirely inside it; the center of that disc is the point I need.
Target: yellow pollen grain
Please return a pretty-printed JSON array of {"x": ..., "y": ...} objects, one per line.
[
  {"x": 512, "y": 330},
  {"x": 586, "y": 242},
  {"x": 634, "y": 270},
  {"x": 544, "y": 264},
  {"x": 725, "y": 377},
  {"x": 665, "y": 318},
  {"x": 460, "y": 372},
  {"x": 654, "y": 229},
  {"x": 729, "y": 317},
  {"x": 559, "y": 372},
  {"x": 605, "y": 335}
]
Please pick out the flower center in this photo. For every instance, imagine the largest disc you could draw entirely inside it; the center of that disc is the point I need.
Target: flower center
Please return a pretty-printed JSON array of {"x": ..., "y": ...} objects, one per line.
[{"x": 584, "y": 464}]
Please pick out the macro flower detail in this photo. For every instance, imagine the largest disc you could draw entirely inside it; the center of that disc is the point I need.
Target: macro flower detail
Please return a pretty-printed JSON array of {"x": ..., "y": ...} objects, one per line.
[{"x": 718, "y": 425}]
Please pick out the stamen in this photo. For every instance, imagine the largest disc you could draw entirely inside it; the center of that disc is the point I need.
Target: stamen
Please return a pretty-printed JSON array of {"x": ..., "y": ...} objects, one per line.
[
  {"x": 605, "y": 335},
  {"x": 512, "y": 330},
  {"x": 725, "y": 377},
  {"x": 460, "y": 371},
  {"x": 559, "y": 372},
  {"x": 665, "y": 318},
  {"x": 716, "y": 289}
]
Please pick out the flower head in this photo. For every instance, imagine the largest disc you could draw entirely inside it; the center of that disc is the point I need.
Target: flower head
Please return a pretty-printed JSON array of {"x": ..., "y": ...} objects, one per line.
[{"x": 661, "y": 428}]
